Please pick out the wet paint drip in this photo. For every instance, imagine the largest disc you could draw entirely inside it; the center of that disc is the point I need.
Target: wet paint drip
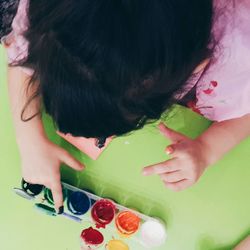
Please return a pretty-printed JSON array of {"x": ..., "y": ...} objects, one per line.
[
  {"x": 91, "y": 238},
  {"x": 78, "y": 203},
  {"x": 49, "y": 197},
  {"x": 103, "y": 212},
  {"x": 116, "y": 245},
  {"x": 127, "y": 223}
]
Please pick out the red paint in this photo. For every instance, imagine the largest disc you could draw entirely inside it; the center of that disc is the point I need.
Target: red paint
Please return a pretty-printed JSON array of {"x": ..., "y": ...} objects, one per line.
[
  {"x": 208, "y": 91},
  {"x": 92, "y": 237},
  {"x": 192, "y": 105},
  {"x": 127, "y": 223},
  {"x": 103, "y": 212},
  {"x": 214, "y": 83}
]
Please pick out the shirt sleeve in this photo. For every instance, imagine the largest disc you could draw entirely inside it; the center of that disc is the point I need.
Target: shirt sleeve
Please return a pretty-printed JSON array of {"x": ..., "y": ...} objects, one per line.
[{"x": 15, "y": 43}]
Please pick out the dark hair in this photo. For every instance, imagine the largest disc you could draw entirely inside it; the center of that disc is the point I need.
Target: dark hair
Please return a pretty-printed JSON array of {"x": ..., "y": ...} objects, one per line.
[{"x": 105, "y": 67}]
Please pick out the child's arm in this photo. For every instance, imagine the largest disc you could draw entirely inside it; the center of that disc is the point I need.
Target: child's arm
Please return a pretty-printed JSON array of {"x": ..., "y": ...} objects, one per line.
[
  {"x": 191, "y": 157},
  {"x": 221, "y": 137},
  {"x": 244, "y": 245},
  {"x": 40, "y": 157}
]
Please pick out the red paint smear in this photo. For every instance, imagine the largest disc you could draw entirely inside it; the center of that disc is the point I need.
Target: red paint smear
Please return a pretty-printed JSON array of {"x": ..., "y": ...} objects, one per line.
[
  {"x": 192, "y": 105},
  {"x": 103, "y": 212},
  {"x": 208, "y": 91},
  {"x": 214, "y": 83},
  {"x": 127, "y": 222},
  {"x": 92, "y": 236}
]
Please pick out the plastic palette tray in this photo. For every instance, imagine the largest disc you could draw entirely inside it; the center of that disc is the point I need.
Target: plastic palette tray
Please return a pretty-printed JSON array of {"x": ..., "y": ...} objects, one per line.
[{"x": 110, "y": 231}]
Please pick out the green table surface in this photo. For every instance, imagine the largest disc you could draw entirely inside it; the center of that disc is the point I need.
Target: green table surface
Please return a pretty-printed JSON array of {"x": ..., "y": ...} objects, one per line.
[{"x": 212, "y": 215}]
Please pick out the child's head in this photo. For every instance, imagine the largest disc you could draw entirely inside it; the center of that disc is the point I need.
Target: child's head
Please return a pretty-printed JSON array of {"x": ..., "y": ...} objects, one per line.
[{"x": 105, "y": 67}]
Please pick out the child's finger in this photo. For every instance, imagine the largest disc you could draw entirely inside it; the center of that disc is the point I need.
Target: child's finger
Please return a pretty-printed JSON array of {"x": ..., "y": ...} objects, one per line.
[
  {"x": 170, "y": 149},
  {"x": 160, "y": 168},
  {"x": 171, "y": 134},
  {"x": 179, "y": 185},
  {"x": 71, "y": 161},
  {"x": 56, "y": 189},
  {"x": 172, "y": 177},
  {"x": 176, "y": 150}
]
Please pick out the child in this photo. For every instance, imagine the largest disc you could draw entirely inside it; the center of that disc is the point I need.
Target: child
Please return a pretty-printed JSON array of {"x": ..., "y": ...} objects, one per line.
[
  {"x": 244, "y": 245},
  {"x": 106, "y": 67}
]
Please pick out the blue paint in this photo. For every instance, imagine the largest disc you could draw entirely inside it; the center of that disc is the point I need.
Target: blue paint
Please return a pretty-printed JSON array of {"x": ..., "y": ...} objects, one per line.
[{"x": 78, "y": 203}]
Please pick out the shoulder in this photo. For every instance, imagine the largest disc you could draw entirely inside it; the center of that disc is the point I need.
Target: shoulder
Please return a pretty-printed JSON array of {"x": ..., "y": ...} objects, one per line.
[
  {"x": 8, "y": 10},
  {"x": 224, "y": 91},
  {"x": 15, "y": 43}
]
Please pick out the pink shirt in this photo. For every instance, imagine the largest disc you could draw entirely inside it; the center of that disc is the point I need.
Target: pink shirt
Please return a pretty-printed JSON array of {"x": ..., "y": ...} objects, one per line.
[
  {"x": 18, "y": 46},
  {"x": 17, "y": 49},
  {"x": 224, "y": 91}
]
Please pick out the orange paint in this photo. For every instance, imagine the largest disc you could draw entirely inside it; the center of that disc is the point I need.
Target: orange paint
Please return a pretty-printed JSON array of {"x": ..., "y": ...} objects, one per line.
[{"x": 127, "y": 223}]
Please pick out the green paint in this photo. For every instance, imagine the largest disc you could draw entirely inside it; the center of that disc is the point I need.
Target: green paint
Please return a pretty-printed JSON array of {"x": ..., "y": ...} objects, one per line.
[
  {"x": 49, "y": 197},
  {"x": 45, "y": 209}
]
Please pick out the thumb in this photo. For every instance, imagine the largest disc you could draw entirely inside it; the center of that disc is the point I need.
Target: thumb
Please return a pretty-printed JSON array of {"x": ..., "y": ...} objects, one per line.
[
  {"x": 70, "y": 161},
  {"x": 171, "y": 134}
]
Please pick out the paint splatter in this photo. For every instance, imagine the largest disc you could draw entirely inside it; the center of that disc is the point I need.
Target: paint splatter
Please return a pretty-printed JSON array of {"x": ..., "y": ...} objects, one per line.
[
  {"x": 210, "y": 89},
  {"x": 192, "y": 105},
  {"x": 214, "y": 83}
]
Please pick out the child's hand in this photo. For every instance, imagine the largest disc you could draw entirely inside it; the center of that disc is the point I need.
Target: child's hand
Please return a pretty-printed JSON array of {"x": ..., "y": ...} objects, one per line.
[
  {"x": 244, "y": 245},
  {"x": 189, "y": 160},
  {"x": 41, "y": 165},
  {"x": 40, "y": 157}
]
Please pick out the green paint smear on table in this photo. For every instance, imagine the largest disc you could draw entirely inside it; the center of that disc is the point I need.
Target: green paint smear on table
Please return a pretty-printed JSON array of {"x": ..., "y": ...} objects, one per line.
[{"x": 212, "y": 215}]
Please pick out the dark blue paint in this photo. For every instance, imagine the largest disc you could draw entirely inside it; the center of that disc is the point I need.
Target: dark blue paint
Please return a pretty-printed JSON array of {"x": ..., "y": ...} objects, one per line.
[{"x": 78, "y": 203}]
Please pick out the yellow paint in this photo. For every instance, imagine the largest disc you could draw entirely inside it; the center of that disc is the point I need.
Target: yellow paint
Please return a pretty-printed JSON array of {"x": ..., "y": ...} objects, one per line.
[{"x": 116, "y": 245}]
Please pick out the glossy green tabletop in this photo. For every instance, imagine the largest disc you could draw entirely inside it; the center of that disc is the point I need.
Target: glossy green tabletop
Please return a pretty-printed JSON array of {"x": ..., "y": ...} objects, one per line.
[{"x": 212, "y": 215}]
